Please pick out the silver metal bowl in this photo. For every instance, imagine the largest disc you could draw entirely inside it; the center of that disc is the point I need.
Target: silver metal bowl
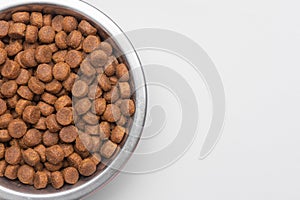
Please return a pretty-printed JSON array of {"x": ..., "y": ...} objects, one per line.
[{"x": 107, "y": 28}]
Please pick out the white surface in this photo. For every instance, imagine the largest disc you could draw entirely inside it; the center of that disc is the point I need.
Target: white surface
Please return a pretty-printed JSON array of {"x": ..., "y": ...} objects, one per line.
[{"x": 255, "y": 46}]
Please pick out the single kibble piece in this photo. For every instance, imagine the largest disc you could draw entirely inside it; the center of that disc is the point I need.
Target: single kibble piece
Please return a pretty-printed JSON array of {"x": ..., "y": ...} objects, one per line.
[
  {"x": 57, "y": 179},
  {"x": 100, "y": 106},
  {"x": 20, "y": 106},
  {"x": 36, "y": 86},
  {"x": 3, "y": 107},
  {"x": 57, "y": 23},
  {"x": 55, "y": 154},
  {"x": 22, "y": 17},
  {"x": 45, "y": 108},
  {"x": 104, "y": 82},
  {"x": 61, "y": 40},
  {"x": 90, "y": 43},
  {"x": 4, "y": 27},
  {"x": 14, "y": 48},
  {"x": 28, "y": 58},
  {"x": 49, "y": 98},
  {"x": 108, "y": 149},
  {"x": 31, "y": 114},
  {"x": 98, "y": 58},
  {"x": 17, "y": 128},
  {"x": 31, "y": 157},
  {"x": 11, "y": 69},
  {"x": 125, "y": 90},
  {"x": 40, "y": 180},
  {"x": 26, "y": 174},
  {"x": 73, "y": 58},
  {"x": 3, "y": 56},
  {"x": 80, "y": 89},
  {"x": 74, "y": 160},
  {"x": 13, "y": 155},
  {"x": 53, "y": 47},
  {"x": 82, "y": 106},
  {"x": 11, "y": 172},
  {"x": 63, "y": 101},
  {"x": 47, "y": 19},
  {"x": 127, "y": 107},
  {"x": 41, "y": 150},
  {"x": 52, "y": 124},
  {"x": 50, "y": 139},
  {"x": 31, "y": 35},
  {"x": 32, "y": 138},
  {"x": 69, "y": 24},
  {"x": 64, "y": 116},
  {"x": 61, "y": 71},
  {"x": 25, "y": 93},
  {"x": 41, "y": 125},
  {"x": 17, "y": 30},
  {"x": 87, "y": 167},
  {"x": 71, "y": 175},
  {"x": 117, "y": 134},
  {"x": 9, "y": 88},
  {"x": 44, "y": 73},
  {"x": 23, "y": 77},
  {"x": 5, "y": 119},
  {"x": 46, "y": 34},
  {"x": 112, "y": 113},
  {"x": 54, "y": 86},
  {"x": 43, "y": 54},
  {"x": 104, "y": 130},
  {"x": 86, "y": 28},
  {"x": 74, "y": 39},
  {"x": 36, "y": 19},
  {"x": 59, "y": 56},
  {"x": 4, "y": 136},
  {"x": 106, "y": 47},
  {"x": 68, "y": 134}
]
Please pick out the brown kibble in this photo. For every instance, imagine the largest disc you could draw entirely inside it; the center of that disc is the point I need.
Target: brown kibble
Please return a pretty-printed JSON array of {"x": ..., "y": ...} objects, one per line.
[
  {"x": 31, "y": 114},
  {"x": 80, "y": 89},
  {"x": 5, "y": 119},
  {"x": 55, "y": 154},
  {"x": 11, "y": 172},
  {"x": 4, "y": 27},
  {"x": 40, "y": 180},
  {"x": 61, "y": 71},
  {"x": 69, "y": 82},
  {"x": 57, "y": 23},
  {"x": 17, "y": 128},
  {"x": 110, "y": 70},
  {"x": 53, "y": 47},
  {"x": 122, "y": 72},
  {"x": 63, "y": 101},
  {"x": 68, "y": 134},
  {"x": 32, "y": 138},
  {"x": 11, "y": 69},
  {"x": 27, "y": 45},
  {"x": 41, "y": 124},
  {"x": 46, "y": 34},
  {"x": 17, "y": 30},
  {"x": 26, "y": 174},
  {"x": 87, "y": 167},
  {"x": 91, "y": 118},
  {"x": 61, "y": 40},
  {"x": 96, "y": 158},
  {"x": 57, "y": 179},
  {"x": 14, "y": 47},
  {"x": 104, "y": 130},
  {"x": 71, "y": 175},
  {"x": 21, "y": 104},
  {"x": 106, "y": 47},
  {"x": 45, "y": 108},
  {"x": 87, "y": 69},
  {"x": 112, "y": 113},
  {"x": 3, "y": 165},
  {"x": 53, "y": 167},
  {"x": 41, "y": 150},
  {"x": 52, "y": 124},
  {"x": 92, "y": 129},
  {"x": 83, "y": 143},
  {"x": 22, "y": 17},
  {"x": 74, "y": 39},
  {"x": 31, "y": 35},
  {"x": 3, "y": 107},
  {"x": 74, "y": 160},
  {"x": 9, "y": 88},
  {"x": 12, "y": 102},
  {"x": 94, "y": 92},
  {"x": 23, "y": 77},
  {"x": 44, "y": 73},
  {"x": 3, "y": 56},
  {"x": 108, "y": 149},
  {"x": 59, "y": 56},
  {"x": 73, "y": 58},
  {"x": 98, "y": 58},
  {"x": 28, "y": 58},
  {"x": 104, "y": 82},
  {"x": 100, "y": 106},
  {"x": 25, "y": 93},
  {"x": 117, "y": 134},
  {"x": 47, "y": 20},
  {"x": 43, "y": 54},
  {"x": 36, "y": 19},
  {"x": 82, "y": 106},
  {"x": 4, "y": 136},
  {"x": 86, "y": 28},
  {"x": 49, "y": 98},
  {"x": 125, "y": 90},
  {"x": 90, "y": 43},
  {"x": 54, "y": 86},
  {"x": 69, "y": 24},
  {"x": 127, "y": 107},
  {"x": 64, "y": 116},
  {"x": 13, "y": 155},
  {"x": 50, "y": 139},
  {"x": 113, "y": 95},
  {"x": 67, "y": 148},
  {"x": 2, "y": 150},
  {"x": 31, "y": 157}
]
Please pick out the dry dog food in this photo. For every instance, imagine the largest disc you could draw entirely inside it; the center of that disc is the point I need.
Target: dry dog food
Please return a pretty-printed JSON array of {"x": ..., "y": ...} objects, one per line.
[{"x": 65, "y": 100}]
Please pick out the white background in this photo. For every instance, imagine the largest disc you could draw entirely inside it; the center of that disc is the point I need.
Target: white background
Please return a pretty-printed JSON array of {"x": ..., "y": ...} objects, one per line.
[{"x": 255, "y": 46}]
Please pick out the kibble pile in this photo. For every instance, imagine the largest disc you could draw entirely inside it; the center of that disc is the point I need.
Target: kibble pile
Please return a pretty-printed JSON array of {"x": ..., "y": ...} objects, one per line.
[{"x": 65, "y": 100}]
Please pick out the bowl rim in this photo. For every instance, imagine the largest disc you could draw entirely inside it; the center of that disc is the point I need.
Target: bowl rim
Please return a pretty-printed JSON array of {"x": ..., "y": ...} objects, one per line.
[{"x": 138, "y": 76}]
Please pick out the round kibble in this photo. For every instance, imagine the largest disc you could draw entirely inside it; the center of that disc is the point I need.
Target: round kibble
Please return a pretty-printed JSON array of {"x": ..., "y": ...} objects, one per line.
[
  {"x": 69, "y": 24},
  {"x": 17, "y": 30},
  {"x": 74, "y": 39},
  {"x": 100, "y": 106},
  {"x": 50, "y": 139},
  {"x": 54, "y": 86},
  {"x": 36, "y": 19},
  {"x": 108, "y": 149},
  {"x": 104, "y": 130},
  {"x": 31, "y": 157},
  {"x": 52, "y": 124},
  {"x": 41, "y": 149},
  {"x": 117, "y": 134},
  {"x": 59, "y": 56},
  {"x": 87, "y": 167},
  {"x": 49, "y": 98},
  {"x": 82, "y": 106},
  {"x": 32, "y": 138},
  {"x": 98, "y": 58},
  {"x": 71, "y": 175},
  {"x": 104, "y": 82},
  {"x": 80, "y": 89},
  {"x": 25, "y": 92},
  {"x": 68, "y": 134},
  {"x": 17, "y": 128},
  {"x": 61, "y": 40},
  {"x": 86, "y": 28},
  {"x": 31, "y": 35},
  {"x": 62, "y": 102},
  {"x": 40, "y": 180},
  {"x": 61, "y": 71},
  {"x": 13, "y": 155},
  {"x": 112, "y": 113},
  {"x": 22, "y": 17},
  {"x": 57, "y": 179},
  {"x": 28, "y": 58},
  {"x": 45, "y": 108},
  {"x": 41, "y": 125},
  {"x": 46, "y": 34},
  {"x": 11, "y": 172},
  {"x": 23, "y": 77},
  {"x": 31, "y": 114},
  {"x": 57, "y": 23},
  {"x": 4, "y": 136},
  {"x": 43, "y": 54},
  {"x": 36, "y": 86},
  {"x": 74, "y": 160},
  {"x": 4, "y": 27},
  {"x": 73, "y": 58},
  {"x": 11, "y": 69},
  {"x": 47, "y": 20},
  {"x": 44, "y": 73},
  {"x": 64, "y": 116},
  {"x": 90, "y": 43},
  {"x": 106, "y": 47},
  {"x": 26, "y": 174},
  {"x": 55, "y": 154},
  {"x": 9, "y": 88}
]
